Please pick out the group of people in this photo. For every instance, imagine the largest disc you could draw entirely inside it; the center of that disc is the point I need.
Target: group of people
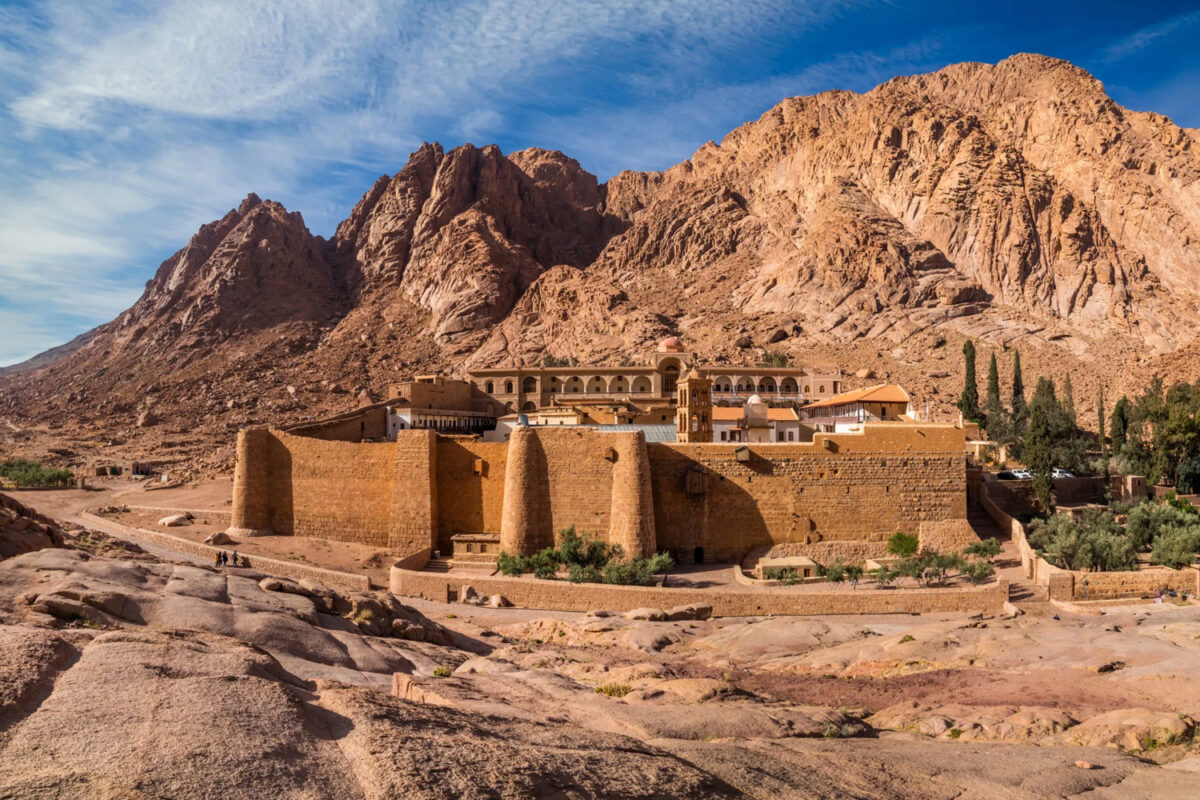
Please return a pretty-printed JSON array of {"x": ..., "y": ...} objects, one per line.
[{"x": 223, "y": 559}]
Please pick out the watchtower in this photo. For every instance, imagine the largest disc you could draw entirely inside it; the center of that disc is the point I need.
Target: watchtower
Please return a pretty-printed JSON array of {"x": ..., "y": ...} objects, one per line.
[{"x": 693, "y": 414}]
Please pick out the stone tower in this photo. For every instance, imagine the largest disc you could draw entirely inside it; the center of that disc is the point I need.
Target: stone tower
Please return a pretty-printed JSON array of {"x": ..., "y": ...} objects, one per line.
[{"x": 693, "y": 415}]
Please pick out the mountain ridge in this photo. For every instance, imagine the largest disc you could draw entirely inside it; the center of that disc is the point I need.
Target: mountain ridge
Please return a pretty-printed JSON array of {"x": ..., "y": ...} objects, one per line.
[{"x": 1014, "y": 203}]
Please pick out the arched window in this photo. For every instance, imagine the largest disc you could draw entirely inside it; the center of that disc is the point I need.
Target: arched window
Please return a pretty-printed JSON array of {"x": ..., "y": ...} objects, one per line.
[
  {"x": 807, "y": 389},
  {"x": 529, "y": 405},
  {"x": 508, "y": 386},
  {"x": 787, "y": 386},
  {"x": 670, "y": 377},
  {"x": 766, "y": 385},
  {"x": 574, "y": 384},
  {"x": 529, "y": 385},
  {"x": 641, "y": 384},
  {"x": 489, "y": 387},
  {"x": 821, "y": 390}
]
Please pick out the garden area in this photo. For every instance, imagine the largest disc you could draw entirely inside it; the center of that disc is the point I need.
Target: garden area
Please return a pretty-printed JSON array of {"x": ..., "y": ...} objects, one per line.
[
  {"x": 20, "y": 473},
  {"x": 925, "y": 569},
  {"x": 585, "y": 560},
  {"x": 1163, "y": 532}
]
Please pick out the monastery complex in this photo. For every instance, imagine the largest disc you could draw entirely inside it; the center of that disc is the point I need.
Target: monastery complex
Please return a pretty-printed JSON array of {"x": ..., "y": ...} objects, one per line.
[{"x": 711, "y": 464}]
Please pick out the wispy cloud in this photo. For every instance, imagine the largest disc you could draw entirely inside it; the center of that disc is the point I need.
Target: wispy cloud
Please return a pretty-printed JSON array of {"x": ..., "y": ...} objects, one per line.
[
  {"x": 128, "y": 126},
  {"x": 1140, "y": 39}
]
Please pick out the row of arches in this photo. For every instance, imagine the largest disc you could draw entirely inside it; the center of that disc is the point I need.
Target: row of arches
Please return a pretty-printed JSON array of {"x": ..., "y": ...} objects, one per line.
[
  {"x": 641, "y": 384},
  {"x": 748, "y": 385}
]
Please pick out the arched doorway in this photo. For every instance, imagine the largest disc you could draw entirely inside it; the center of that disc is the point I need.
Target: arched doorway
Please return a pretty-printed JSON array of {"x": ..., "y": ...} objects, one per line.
[{"x": 529, "y": 385}]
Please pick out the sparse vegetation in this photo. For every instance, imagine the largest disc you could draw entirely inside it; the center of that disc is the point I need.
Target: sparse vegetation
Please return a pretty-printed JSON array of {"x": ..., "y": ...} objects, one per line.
[
  {"x": 955, "y": 733},
  {"x": 774, "y": 360},
  {"x": 587, "y": 560},
  {"x": 22, "y": 472},
  {"x": 614, "y": 689},
  {"x": 903, "y": 544},
  {"x": 906, "y": 638},
  {"x": 441, "y": 671}
]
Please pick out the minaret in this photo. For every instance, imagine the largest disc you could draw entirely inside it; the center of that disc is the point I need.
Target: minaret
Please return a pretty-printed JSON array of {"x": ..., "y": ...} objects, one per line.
[{"x": 693, "y": 415}]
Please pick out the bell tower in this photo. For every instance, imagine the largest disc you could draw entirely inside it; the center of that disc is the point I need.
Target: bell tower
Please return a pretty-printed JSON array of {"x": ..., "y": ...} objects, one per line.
[{"x": 693, "y": 412}]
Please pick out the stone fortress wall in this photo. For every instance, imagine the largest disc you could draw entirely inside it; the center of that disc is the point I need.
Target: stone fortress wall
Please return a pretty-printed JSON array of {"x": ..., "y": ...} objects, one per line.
[{"x": 840, "y": 496}]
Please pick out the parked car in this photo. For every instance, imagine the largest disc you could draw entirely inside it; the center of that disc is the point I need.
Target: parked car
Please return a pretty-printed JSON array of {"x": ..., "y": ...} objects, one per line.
[
  {"x": 1006, "y": 475},
  {"x": 1061, "y": 473},
  {"x": 1023, "y": 474}
]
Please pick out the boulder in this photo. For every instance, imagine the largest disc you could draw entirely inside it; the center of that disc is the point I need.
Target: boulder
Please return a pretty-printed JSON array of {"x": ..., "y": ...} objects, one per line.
[
  {"x": 467, "y": 594},
  {"x": 777, "y": 336},
  {"x": 743, "y": 342},
  {"x": 146, "y": 419},
  {"x": 646, "y": 614},
  {"x": 499, "y": 601},
  {"x": 865, "y": 374},
  {"x": 599, "y": 612},
  {"x": 220, "y": 537},
  {"x": 680, "y": 613},
  {"x": 175, "y": 520}
]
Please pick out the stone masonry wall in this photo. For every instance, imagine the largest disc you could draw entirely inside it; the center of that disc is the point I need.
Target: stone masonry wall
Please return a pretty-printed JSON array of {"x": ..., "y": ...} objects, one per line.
[
  {"x": 856, "y": 489},
  {"x": 530, "y": 592},
  {"x": 469, "y": 501}
]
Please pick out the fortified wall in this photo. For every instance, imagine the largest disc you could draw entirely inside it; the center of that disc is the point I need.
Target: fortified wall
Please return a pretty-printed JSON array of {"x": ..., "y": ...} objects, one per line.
[{"x": 841, "y": 495}]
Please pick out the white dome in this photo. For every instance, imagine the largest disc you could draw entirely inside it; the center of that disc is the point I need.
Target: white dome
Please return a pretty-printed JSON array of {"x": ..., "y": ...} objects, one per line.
[{"x": 754, "y": 399}]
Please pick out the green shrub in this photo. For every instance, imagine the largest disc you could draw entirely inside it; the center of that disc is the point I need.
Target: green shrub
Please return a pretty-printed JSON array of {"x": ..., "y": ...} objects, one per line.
[
  {"x": 884, "y": 576},
  {"x": 543, "y": 564},
  {"x": 1095, "y": 542},
  {"x": 441, "y": 671},
  {"x": 903, "y": 544},
  {"x": 978, "y": 571},
  {"x": 984, "y": 548},
  {"x": 906, "y": 638},
  {"x": 614, "y": 689},
  {"x": 23, "y": 472},
  {"x": 955, "y": 733},
  {"x": 854, "y": 573},
  {"x": 579, "y": 573},
  {"x": 836, "y": 571},
  {"x": 1176, "y": 548},
  {"x": 510, "y": 565}
]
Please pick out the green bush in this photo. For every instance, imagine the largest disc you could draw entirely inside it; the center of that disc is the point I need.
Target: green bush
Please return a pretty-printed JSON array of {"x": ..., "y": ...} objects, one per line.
[
  {"x": 510, "y": 565},
  {"x": 884, "y": 576},
  {"x": 984, "y": 548},
  {"x": 544, "y": 564},
  {"x": 22, "y": 472},
  {"x": 978, "y": 571},
  {"x": 854, "y": 573},
  {"x": 578, "y": 573},
  {"x": 1095, "y": 542},
  {"x": 441, "y": 672},
  {"x": 836, "y": 571},
  {"x": 903, "y": 544},
  {"x": 1176, "y": 548}
]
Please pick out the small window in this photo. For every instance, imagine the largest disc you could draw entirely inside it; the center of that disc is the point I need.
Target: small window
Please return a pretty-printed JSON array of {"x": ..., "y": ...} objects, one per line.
[
  {"x": 489, "y": 387},
  {"x": 791, "y": 436},
  {"x": 508, "y": 387},
  {"x": 724, "y": 436}
]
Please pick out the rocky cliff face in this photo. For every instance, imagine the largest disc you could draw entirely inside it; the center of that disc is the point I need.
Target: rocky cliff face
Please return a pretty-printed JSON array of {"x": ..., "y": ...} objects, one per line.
[{"x": 1012, "y": 203}]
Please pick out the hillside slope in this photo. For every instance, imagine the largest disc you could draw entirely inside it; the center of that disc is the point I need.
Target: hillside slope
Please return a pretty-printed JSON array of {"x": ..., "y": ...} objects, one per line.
[{"x": 1013, "y": 203}]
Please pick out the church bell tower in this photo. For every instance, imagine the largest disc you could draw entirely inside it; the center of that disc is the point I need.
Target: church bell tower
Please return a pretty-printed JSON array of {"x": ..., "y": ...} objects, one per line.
[{"x": 693, "y": 413}]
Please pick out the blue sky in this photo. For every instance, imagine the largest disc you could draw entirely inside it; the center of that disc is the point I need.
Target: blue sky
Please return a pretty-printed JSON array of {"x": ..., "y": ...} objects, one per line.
[{"x": 124, "y": 126}]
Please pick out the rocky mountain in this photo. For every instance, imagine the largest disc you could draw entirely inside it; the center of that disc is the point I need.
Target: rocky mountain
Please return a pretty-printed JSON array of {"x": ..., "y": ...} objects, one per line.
[{"x": 1015, "y": 203}]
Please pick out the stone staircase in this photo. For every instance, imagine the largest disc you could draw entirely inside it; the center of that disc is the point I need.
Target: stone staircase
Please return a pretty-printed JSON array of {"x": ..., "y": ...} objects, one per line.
[{"x": 438, "y": 565}]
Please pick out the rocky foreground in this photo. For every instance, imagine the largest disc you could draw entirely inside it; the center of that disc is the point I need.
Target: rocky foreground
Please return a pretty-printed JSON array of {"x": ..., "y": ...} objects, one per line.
[{"x": 123, "y": 675}]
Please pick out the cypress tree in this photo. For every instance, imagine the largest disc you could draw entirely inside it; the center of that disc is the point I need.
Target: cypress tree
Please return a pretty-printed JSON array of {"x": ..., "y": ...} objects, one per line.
[
  {"x": 1020, "y": 410},
  {"x": 1068, "y": 400},
  {"x": 993, "y": 409},
  {"x": 968, "y": 403},
  {"x": 1100, "y": 429},
  {"x": 1038, "y": 456},
  {"x": 1120, "y": 425}
]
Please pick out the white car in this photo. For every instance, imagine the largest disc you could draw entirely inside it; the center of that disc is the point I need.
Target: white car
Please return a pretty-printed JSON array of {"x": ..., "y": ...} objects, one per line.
[
  {"x": 1023, "y": 474},
  {"x": 1061, "y": 473}
]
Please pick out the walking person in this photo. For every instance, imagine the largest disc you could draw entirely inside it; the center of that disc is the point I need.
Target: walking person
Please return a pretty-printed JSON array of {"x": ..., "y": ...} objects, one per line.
[{"x": 235, "y": 558}]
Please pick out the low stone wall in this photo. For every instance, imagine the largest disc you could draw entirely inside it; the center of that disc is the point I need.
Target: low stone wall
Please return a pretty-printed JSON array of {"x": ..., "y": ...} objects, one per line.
[
  {"x": 1066, "y": 585},
  {"x": 264, "y": 564},
  {"x": 733, "y": 601}
]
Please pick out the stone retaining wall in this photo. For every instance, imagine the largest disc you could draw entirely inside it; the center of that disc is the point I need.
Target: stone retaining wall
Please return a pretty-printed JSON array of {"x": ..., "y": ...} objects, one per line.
[
  {"x": 530, "y": 592},
  {"x": 264, "y": 564}
]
